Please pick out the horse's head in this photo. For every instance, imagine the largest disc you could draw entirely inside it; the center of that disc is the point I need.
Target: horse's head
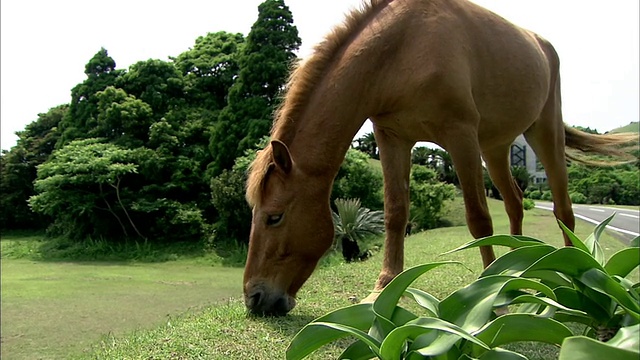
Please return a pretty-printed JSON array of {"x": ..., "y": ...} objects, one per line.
[{"x": 290, "y": 231}]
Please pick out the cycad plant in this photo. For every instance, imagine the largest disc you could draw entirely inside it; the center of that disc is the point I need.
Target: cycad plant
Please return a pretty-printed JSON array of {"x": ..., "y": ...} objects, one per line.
[{"x": 352, "y": 224}]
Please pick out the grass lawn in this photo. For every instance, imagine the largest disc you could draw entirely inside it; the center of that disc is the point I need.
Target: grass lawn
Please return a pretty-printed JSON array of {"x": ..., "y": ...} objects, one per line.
[
  {"x": 225, "y": 331},
  {"x": 53, "y": 309}
]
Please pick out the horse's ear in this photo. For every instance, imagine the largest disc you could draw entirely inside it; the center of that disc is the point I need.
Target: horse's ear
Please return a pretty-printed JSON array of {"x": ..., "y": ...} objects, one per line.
[{"x": 281, "y": 156}]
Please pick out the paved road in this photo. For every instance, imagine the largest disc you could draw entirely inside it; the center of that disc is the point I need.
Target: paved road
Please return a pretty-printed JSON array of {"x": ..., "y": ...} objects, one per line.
[{"x": 626, "y": 223}]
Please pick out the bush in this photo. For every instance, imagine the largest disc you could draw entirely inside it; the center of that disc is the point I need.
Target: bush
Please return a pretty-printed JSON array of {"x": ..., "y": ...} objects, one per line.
[
  {"x": 546, "y": 195},
  {"x": 428, "y": 197},
  {"x": 577, "y": 198},
  {"x": 534, "y": 195},
  {"x": 546, "y": 287},
  {"x": 353, "y": 223},
  {"x": 356, "y": 179},
  {"x": 528, "y": 204}
]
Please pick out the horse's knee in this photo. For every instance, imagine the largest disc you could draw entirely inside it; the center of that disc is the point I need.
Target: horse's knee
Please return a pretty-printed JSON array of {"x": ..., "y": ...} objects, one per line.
[
  {"x": 395, "y": 219},
  {"x": 479, "y": 223}
]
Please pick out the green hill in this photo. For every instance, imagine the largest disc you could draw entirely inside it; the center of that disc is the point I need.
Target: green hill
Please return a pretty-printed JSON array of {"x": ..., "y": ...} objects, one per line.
[{"x": 633, "y": 127}]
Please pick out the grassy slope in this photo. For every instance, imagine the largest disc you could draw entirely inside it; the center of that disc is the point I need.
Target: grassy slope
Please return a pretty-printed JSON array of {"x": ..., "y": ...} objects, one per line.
[
  {"x": 633, "y": 127},
  {"x": 225, "y": 332}
]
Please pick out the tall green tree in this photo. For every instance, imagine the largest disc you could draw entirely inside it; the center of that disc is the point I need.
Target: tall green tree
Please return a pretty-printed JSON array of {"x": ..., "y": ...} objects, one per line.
[
  {"x": 367, "y": 144},
  {"x": 81, "y": 118},
  {"x": 209, "y": 68},
  {"x": 18, "y": 169},
  {"x": 264, "y": 64}
]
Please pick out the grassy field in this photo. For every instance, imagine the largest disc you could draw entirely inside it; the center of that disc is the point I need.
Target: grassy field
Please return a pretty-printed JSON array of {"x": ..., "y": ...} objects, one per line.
[{"x": 142, "y": 311}]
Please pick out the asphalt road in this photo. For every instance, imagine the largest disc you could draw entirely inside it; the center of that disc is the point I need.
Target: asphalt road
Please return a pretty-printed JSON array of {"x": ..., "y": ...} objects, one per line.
[{"x": 626, "y": 223}]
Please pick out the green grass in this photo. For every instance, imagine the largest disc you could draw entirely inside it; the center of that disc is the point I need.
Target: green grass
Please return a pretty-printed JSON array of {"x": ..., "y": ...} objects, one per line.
[
  {"x": 224, "y": 331},
  {"x": 632, "y": 127},
  {"x": 53, "y": 309}
]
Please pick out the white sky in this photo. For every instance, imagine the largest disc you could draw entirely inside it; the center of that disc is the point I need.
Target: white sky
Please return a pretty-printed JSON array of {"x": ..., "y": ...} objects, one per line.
[{"x": 46, "y": 44}]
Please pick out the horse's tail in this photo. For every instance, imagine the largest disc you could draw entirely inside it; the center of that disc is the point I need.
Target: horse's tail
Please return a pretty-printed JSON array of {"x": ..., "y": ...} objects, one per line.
[{"x": 616, "y": 145}]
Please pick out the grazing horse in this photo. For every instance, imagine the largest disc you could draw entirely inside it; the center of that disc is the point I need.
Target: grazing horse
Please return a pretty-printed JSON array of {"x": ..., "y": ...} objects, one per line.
[{"x": 443, "y": 71}]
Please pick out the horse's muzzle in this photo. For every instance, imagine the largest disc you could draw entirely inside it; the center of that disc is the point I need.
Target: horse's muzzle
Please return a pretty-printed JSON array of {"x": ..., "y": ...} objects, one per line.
[{"x": 261, "y": 301}]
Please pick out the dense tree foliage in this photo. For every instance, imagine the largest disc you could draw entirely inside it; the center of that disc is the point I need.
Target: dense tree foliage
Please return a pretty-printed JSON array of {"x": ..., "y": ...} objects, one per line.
[
  {"x": 428, "y": 197},
  {"x": 264, "y": 65},
  {"x": 18, "y": 169}
]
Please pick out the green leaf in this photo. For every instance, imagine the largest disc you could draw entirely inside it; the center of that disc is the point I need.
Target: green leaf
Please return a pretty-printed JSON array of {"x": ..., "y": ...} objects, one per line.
[
  {"x": 584, "y": 348},
  {"x": 623, "y": 262},
  {"x": 393, "y": 344},
  {"x": 386, "y": 302},
  {"x": 311, "y": 337},
  {"x": 512, "y": 241},
  {"x": 517, "y": 260},
  {"x": 372, "y": 343},
  {"x": 424, "y": 299},
  {"x": 593, "y": 241},
  {"x": 627, "y": 338},
  {"x": 570, "y": 261},
  {"x": 529, "y": 328},
  {"x": 574, "y": 239},
  {"x": 599, "y": 281},
  {"x": 635, "y": 242},
  {"x": 357, "y": 351},
  {"x": 577, "y": 300}
]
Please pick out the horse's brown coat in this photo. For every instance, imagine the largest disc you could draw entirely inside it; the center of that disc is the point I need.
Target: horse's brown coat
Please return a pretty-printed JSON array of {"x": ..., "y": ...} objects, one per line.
[{"x": 443, "y": 71}]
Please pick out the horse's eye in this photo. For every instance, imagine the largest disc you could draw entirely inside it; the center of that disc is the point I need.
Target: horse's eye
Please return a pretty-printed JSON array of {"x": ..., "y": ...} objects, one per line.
[{"x": 273, "y": 220}]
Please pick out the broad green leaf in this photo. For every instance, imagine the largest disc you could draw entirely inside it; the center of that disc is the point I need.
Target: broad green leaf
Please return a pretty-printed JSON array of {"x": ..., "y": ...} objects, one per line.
[
  {"x": 599, "y": 281},
  {"x": 529, "y": 328},
  {"x": 623, "y": 262},
  {"x": 575, "y": 299},
  {"x": 386, "y": 302},
  {"x": 545, "y": 301},
  {"x": 311, "y": 337},
  {"x": 373, "y": 344},
  {"x": 512, "y": 241},
  {"x": 517, "y": 260},
  {"x": 584, "y": 348},
  {"x": 551, "y": 278},
  {"x": 593, "y": 241},
  {"x": 393, "y": 344},
  {"x": 424, "y": 299},
  {"x": 627, "y": 338},
  {"x": 575, "y": 240},
  {"x": 357, "y": 351},
  {"x": 570, "y": 261},
  {"x": 472, "y": 306}
]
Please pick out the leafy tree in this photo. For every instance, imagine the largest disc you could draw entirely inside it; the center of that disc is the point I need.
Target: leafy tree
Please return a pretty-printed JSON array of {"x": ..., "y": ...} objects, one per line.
[
  {"x": 80, "y": 187},
  {"x": 81, "y": 118},
  {"x": 367, "y": 144},
  {"x": 18, "y": 169},
  {"x": 356, "y": 179},
  {"x": 155, "y": 82},
  {"x": 209, "y": 68},
  {"x": 264, "y": 66},
  {"x": 353, "y": 223}
]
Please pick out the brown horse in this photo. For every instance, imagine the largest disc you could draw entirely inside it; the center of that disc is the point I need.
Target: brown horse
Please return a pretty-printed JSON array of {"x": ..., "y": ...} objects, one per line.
[{"x": 444, "y": 71}]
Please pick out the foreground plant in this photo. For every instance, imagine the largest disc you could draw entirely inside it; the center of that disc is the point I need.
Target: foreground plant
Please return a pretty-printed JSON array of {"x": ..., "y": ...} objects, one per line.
[{"x": 542, "y": 286}]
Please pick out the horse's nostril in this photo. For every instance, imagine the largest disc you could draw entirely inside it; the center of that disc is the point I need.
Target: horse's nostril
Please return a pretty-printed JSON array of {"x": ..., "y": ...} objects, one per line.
[{"x": 255, "y": 299}]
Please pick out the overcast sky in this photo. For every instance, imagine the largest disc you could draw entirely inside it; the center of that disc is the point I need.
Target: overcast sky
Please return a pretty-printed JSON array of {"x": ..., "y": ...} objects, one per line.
[{"x": 46, "y": 44}]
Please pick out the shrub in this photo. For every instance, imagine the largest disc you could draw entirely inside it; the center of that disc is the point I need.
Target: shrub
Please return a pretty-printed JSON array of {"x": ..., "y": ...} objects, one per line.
[
  {"x": 577, "y": 198},
  {"x": 545, "y": 288},
  {"x": 353, "y": 223},
  {"x": 428, "y": 197},
  {"x": 528, "y": 204},
  {"x": 546, "y": 195},
  {"x": 356, "y": 179},
  {"x": 534, "y": 195}
]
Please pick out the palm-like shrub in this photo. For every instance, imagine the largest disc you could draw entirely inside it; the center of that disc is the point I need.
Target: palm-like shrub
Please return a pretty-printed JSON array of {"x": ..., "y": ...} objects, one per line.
[
  {"x": 353, "y": 223},
  {"x": 543, "y": 287}
]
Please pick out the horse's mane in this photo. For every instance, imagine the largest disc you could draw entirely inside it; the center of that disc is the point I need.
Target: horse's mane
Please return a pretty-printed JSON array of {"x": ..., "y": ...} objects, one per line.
[{"x": 302, "y": 80}]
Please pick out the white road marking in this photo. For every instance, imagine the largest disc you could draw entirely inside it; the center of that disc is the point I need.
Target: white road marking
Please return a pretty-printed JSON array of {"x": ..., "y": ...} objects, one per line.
[
  {"x": 632, "y": 233},
  {"x": 598, "y": 210},
  {"x": 629, "y": 215}
]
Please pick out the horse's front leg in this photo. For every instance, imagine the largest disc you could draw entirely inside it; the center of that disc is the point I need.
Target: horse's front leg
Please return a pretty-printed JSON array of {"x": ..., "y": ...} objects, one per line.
[{"x": 395, "y": 155}]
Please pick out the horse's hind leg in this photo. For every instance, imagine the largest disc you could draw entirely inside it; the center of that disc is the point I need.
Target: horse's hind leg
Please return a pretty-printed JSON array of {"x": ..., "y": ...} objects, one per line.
[
  {"x": 546, "y": 137},
  {"x": 497, "y": 160},
  {"x": 465, "y": 153}
]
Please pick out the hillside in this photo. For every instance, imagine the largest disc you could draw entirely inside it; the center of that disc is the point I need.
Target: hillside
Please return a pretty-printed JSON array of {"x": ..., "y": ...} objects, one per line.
[{"x": 633, "y": 127}]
